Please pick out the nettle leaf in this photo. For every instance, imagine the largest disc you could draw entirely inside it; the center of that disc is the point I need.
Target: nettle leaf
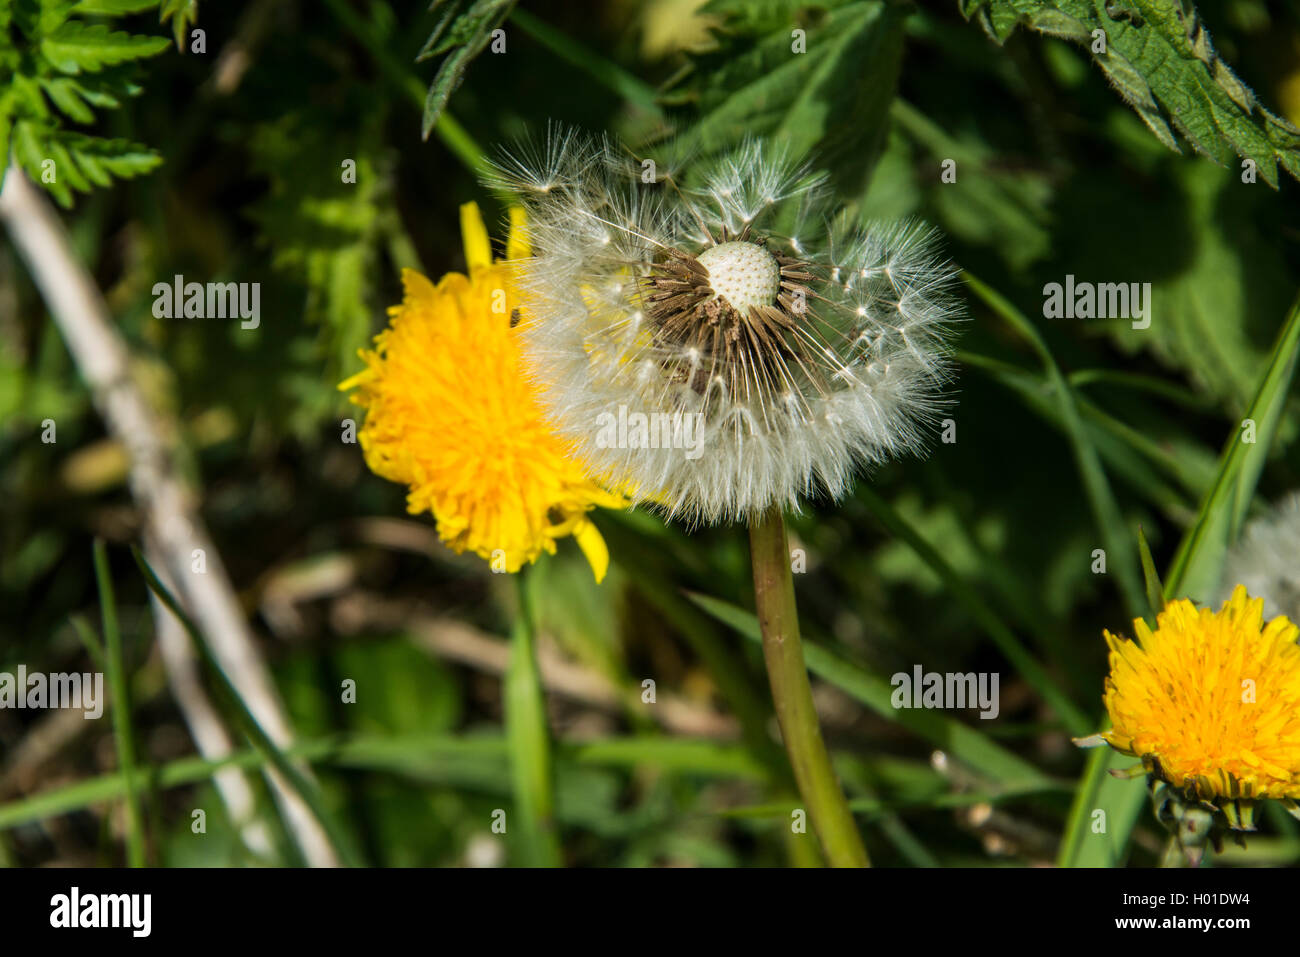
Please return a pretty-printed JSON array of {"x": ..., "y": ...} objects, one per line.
[
  {"x": 1215, "y": 318},
  {"x": 1160, "y": 58},
  {"x": 820, "y": 79},
  {"x": 460, "y": 37},
  {"x": 76, "y": 47}
]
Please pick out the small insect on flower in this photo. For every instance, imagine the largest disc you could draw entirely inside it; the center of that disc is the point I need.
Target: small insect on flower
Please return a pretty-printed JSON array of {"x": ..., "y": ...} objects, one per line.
[
  {"x": 449, "y": 414},
  {"x": 724, "y": 345},
  {"x": 1210, "y": 702}
]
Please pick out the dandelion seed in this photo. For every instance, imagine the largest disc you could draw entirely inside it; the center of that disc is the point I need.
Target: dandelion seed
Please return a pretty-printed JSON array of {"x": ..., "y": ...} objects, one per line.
[
  {"x": 450, "y": 413},
  {"x": 1266, "y": 559},
  {"x": 737, "y": 316}
]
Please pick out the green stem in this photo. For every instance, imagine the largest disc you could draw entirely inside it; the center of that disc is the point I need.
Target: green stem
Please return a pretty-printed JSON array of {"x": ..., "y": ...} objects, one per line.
[
  {"x": 121, "y": 705},
  {"x": 529, "y": 739},
  {"x": 792, "y": 695}
]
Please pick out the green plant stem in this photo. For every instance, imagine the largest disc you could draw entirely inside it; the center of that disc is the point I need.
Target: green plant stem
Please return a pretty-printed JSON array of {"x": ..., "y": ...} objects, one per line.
[
  {"x": 121, "y": 706},
  {"x": 792, "y": 694},
  {"x": 530, "y": 744}
]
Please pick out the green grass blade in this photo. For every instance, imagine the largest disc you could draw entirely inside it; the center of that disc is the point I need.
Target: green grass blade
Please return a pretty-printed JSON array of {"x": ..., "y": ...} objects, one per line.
[
  {"x": 606, "y": 73},
  {"x": 1155, "y": 590},
  {"x": 986, "y": 617},
  {"x": 1113, "y": 439},
  {"x": 1105, "y": 509},
  {"x": 300, "y": 783},
  {"x": 90, "y": 641},
  {"x": 1199, "y": 560},
  {"x": 121, "y": 706},
  {"x": 961, "y": 742},
  {"x": 408, "y": 755},
  {"x": 1103, "y": 815},
  {"x": 1142, "y": 383}
]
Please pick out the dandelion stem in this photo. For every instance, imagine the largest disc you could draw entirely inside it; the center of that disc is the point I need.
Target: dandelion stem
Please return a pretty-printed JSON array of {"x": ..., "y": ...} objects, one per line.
[
  {"x": 783, "y": 650},
  {"x": 529, "y": 740}
]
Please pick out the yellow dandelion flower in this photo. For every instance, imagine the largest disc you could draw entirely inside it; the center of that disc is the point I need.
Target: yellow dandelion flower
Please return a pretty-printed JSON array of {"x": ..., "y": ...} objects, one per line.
[
  {"x": 451, "y": 413},
  {"x": 1210, "y": 701}
]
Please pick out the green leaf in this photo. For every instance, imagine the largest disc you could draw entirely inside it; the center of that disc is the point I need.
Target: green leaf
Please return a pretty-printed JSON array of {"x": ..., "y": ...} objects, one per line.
[
  {"x": 31, "y": 153},
  {"x": 988, "y": 620},
  {"x": 469, "y": 34},
  {"x": 114, "y": 8},
  {"x": 1210, "y": 316},
  {"x": 302, "y": 785},
  {"x": 182, "y": 13},
  {"x": 831, "y": 100},
  {"x": 6, "y": 130},
  {"x": 64, "y": 93},
  {"x": 76, "y": 47},
  {"x": 1160, "y": 59},
  {"x": 1106, "y": 512}
]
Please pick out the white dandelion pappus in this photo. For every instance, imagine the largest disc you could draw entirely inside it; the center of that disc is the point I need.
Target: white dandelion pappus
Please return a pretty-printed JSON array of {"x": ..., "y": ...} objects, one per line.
[
  {"x": 1266, "y": 559},
  {"x": 806, "y": 348}
]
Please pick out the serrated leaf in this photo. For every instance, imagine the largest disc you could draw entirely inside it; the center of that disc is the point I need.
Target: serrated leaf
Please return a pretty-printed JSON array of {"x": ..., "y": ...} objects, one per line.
[
  {"x": 1160, "y": 58},
  {"x": 832, "y": 99},
  {"x": 76, "y": 47},
  {"x": 112, "y": 8},
  {"x": 120, "y": 158},
  {"x": 470, "y": 33},
  {"x": 52, "y": 14},
  {"x": 1210, "y": 318},
  {"x": 31, "y": 153},
  {"x": 27, "y": 98},
  {"x": 6, "y": 127},
  {"x": 65, "y": 168},
  {"x": 183, "y": 14},
  {"x": 64, "y": 93}
]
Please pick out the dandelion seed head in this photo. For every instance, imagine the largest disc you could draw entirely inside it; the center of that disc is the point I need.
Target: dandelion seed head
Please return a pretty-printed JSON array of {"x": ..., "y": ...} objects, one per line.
[
  {"x": 693, "y": 298},
  {"x": 1266, "y": 559}
]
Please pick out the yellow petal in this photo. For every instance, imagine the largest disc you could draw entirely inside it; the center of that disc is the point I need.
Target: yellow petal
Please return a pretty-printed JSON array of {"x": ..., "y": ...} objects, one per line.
[
  {"x": 593, "y": 546},
  {"x": 517, "y": 245},
  {"x": 478, "y": 248}
]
